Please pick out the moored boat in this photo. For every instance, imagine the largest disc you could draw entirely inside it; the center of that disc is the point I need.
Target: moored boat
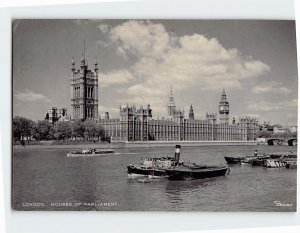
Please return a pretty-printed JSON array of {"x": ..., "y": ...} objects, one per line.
[
  {"x": 291, "y": 164},
  {"x": 233, "y": 160},
  {"x": 274, "y": 163},
  {"x": 283, "y": 161},
  {"x": 90, "y": 152}
]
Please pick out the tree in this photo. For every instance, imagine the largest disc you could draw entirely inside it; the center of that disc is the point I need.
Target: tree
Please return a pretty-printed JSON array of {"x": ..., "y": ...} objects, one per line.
[
  {"x": 22, "y": 128},
  {"x": 63, "y": 130},
  {"x": 90, "y": 129},
  {"x": 78, "y": 129},
  {"x": 100, "y": 133},
  {"x": 264, "y": 134},
  {"x": 43, "y": 130}
]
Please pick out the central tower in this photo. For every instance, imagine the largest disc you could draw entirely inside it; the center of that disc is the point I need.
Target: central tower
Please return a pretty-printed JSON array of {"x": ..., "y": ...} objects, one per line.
[
  {"x": 224, "y": 109},
  {"x": 171, "y": 104},
  {"x": 84, "y": 91}
]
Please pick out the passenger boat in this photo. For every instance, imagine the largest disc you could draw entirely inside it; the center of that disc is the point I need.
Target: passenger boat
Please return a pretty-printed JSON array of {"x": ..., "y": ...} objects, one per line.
[{"x": 89, "y": 152}]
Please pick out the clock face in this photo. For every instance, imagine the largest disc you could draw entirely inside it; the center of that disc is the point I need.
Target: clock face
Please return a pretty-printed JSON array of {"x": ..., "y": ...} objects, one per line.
[{"x": 222, "y": 108}]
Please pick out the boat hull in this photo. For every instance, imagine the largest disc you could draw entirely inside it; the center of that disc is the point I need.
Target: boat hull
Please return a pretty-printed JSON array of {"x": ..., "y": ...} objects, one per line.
[
  {"x": 150, "y": 172},
  {"x": 192, "y": 174},
  {"x": 233, "y": 160},
  {"x": 274, "y": 163}
]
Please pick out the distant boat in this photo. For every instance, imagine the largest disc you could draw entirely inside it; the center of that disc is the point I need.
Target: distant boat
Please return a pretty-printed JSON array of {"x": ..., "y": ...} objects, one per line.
[{"x": 89, "y": 152}]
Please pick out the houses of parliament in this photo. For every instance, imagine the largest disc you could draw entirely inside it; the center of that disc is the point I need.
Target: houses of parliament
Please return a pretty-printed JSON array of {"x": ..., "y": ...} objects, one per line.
[{"x": 136, "y": 123}]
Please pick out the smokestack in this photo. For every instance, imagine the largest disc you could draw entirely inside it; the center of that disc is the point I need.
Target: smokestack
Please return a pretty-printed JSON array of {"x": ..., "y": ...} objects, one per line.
[{"x": 177, "y": 154}]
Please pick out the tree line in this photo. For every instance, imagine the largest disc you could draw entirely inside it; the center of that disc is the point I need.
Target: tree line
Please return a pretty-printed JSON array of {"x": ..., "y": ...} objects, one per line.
[
  {"x": 26, "y": 129},
  {"x": 271, "y": 134}
]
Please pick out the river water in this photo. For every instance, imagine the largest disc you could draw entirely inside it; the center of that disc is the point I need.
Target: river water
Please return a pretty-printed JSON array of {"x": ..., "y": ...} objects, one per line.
[{"x": 46, "y": 179}]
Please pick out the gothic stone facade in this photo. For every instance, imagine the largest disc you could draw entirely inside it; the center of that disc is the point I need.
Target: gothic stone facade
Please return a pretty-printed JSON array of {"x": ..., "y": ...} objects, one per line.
[
  {"x": 137, "y": 124},
  {"x": 84, "y": 91}
]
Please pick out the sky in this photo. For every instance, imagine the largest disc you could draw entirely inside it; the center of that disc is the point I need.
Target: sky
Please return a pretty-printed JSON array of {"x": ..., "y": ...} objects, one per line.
[{"x": 254, "y": 60}]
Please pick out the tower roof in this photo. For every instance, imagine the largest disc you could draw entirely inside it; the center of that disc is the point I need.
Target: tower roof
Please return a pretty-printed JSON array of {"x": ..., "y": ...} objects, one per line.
[{"x": 223, "y": 97}]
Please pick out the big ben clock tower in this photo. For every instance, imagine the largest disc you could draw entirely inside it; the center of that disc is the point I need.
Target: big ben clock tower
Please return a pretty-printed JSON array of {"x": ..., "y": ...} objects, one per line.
[{"x": 224, "y": 109}]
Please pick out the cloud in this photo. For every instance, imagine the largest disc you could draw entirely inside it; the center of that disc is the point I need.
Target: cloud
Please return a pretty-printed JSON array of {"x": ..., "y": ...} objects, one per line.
[
  {"x": 29, "y": 96},
  {"x": 186, "y": 62},
  {"x": 266, "y": 106},
  {"x": 270, "y": 87},
  {"x": 104, "y": 28},
  {"x": 116, "y": 77}
]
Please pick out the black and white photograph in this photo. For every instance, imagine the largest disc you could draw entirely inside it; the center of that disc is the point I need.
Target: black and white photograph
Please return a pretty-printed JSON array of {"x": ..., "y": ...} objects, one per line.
[{"x": 154, "y": 115}]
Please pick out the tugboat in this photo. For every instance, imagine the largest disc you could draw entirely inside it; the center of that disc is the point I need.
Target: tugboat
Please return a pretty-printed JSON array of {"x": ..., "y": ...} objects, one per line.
[
  {"x": 188, "y": 171},
  {"x": 171, "y": 168},
  {"x": 89, "y": 152}
]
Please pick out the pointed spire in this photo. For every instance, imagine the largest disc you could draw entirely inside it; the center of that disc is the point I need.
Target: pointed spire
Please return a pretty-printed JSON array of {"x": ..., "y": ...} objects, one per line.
[
  {"x": 224, "y": 92},
  {"x": 84, "y": 48},
  {"x": 96, "y": 65},
  {"x": 191, "y": 113},
  {"x": 223, "y": 97},
  {"x": 73, "y": 64}
]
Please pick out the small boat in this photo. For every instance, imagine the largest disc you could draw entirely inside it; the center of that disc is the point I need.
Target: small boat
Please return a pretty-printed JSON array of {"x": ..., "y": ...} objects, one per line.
[
  {"x": 291, "y": 164},
  {"x": 274, "y": 163},
  {"x": 183, "y": 172},
  {"x": 233, "y": 160},
  {"x": 283, "y": 161},
  {"x": 255, "y": 160},
  {"x": 241, "y": 159},
  {"x": 89, "y": 152}
]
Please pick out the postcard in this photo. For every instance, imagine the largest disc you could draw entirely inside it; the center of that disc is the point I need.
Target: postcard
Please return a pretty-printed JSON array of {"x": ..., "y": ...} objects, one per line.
[{"x": 154, "y": 115}]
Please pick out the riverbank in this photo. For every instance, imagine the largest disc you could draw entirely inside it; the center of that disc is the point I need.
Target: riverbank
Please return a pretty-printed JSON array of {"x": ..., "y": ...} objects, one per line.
[{"x": 115, "y": 145}]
